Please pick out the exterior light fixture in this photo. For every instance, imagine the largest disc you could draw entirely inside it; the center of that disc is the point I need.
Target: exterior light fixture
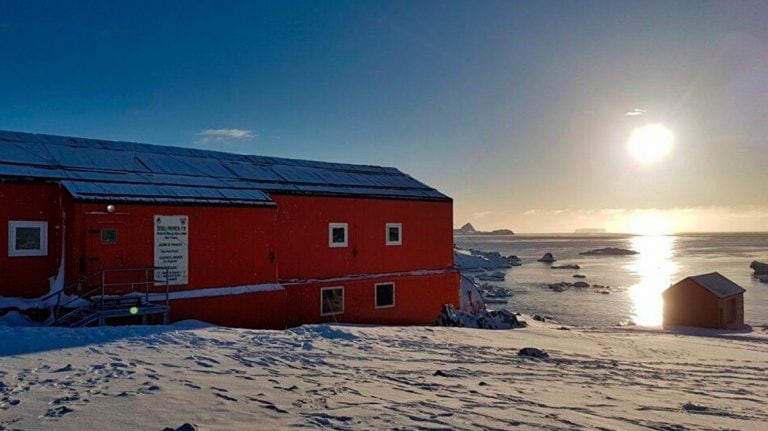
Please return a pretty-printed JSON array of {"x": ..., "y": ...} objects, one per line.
[{"x": 110, "y": 208}]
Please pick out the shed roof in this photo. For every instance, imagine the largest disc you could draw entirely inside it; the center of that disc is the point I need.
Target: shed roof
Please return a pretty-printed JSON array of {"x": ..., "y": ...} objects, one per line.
[
  {"x": 93, "y": 169},
  {"x": 716, "y": 283}
]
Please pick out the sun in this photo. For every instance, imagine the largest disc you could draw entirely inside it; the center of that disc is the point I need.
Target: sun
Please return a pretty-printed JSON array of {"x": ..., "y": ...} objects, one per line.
[{"x": 650, "y": 144}]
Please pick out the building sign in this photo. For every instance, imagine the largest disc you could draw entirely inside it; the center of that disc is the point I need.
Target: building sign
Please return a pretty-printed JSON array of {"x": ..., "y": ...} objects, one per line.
[{"x": 172, "y": 249}]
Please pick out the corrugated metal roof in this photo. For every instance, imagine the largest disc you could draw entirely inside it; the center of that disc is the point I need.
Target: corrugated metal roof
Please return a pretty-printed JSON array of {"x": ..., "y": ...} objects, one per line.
[
  {"x": 718, "y": 284},
  {"x": 98, "y": 169}
]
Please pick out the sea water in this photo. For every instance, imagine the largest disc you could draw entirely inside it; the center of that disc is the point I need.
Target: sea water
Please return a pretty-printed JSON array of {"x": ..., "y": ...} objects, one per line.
[{"x": 636, "y": 281}]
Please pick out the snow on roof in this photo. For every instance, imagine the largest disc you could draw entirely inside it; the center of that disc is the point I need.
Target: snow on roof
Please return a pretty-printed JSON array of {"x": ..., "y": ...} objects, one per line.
[
  {"x": 99, "y": 170},
  {"x": 718, "y": 284}
]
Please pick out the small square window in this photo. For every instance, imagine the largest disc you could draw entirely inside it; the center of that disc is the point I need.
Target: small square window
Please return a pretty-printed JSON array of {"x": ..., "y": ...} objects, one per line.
[
  {"x": 109, "y": 236},
  {"x": 394, "y": 234},
  {"x": 337, "y": 235},
  {"x": 331, "y": 301},
  {"x": 385, "y": 295},
  {"x": 27, "y": 238}
]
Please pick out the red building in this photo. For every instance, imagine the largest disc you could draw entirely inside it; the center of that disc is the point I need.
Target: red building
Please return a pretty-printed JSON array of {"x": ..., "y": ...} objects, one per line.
[
  {"x": 706, "y": 301},
  {"x": 236, "y": 240}
]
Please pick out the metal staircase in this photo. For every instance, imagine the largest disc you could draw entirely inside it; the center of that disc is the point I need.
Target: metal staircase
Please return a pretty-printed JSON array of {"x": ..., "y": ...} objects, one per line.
[{"x": 113, "y": 294}]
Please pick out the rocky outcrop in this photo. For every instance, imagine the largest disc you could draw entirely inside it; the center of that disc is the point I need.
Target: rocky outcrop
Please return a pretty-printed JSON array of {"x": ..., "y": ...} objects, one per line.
[
  {"x": 548, "y": 258},
  {"x": 468, "y": 229},
  {"x": 563, "y": 285},
  {"x": 502, "y": 319},
  {"x": 570, "y": 266},
  {"x": 472, "y": 260},
  {"x": 609, "y": 251},
  {"x": 492, "y": 276},
  {"x": 759, "y": 268}
]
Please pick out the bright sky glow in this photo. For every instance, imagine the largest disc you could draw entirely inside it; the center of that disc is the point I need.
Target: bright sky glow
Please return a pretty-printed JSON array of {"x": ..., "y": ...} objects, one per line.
[
  {"x": 651, "y": 223},
  {"x": 650, "y": 144}
]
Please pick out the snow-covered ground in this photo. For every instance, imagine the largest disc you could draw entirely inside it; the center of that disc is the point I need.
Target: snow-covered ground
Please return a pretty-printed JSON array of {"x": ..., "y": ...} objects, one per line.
[{"x": 348, "y": 377}]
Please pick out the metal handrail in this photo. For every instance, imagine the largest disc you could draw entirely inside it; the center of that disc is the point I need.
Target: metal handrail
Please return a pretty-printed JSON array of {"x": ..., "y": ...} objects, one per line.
[{"x": 104, "y": 286}]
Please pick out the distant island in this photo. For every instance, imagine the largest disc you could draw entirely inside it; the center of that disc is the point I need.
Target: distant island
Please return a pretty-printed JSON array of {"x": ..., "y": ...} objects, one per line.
[
  {"x": 609, "y": 251},
  {"x": 590, "y": 230},
  {"x": 468, "y": 229}
]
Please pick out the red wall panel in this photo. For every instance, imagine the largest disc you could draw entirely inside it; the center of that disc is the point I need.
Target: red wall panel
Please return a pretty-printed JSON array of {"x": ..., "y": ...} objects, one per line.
[
  {"x": 262, "y": 310},
  {"x": 27, "y": 276},
  {"x": 418, "y": 300},
  {"x": 302, "y": 236},
  {"x": 234, "y": 246},
  {"x": 228, "y": 246}
]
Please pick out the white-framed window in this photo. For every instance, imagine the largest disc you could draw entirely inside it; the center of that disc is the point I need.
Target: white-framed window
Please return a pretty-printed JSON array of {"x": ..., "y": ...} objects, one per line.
[
  {"x": 27, "y": 238},
  {"x": 331, "y": 301},
  {"x": 338, "y": 235},
  {"x": 384, "y": 295},
  {"x": 394, "y": 233}
]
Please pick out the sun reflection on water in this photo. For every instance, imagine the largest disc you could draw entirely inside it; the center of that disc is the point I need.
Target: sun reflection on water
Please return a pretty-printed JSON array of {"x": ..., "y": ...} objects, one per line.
[{"x": 655, "y": 267}]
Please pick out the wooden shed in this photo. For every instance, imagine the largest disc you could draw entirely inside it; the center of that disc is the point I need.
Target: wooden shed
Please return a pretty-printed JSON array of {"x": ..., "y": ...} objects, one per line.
[{"x": 706, "y": 301}]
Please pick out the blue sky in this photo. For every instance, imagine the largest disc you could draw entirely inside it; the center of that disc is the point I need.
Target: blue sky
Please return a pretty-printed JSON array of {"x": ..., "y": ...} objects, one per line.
[{"x": 515, "y": 109}]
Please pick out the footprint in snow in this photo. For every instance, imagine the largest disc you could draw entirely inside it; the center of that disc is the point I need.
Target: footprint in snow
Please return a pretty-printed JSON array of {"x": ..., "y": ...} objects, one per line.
[
  {"x": 326, "y": 420},
  {"x": 11, "y": 402},
  {"x": 268, "y": 405},
  {"x": 149, "y": 388},
  {"x": 289, "y": 389},
  {"x": 58, "y": 412},
  {"x": 68, "y": 399},
  {"x": 225, "y": 397}
]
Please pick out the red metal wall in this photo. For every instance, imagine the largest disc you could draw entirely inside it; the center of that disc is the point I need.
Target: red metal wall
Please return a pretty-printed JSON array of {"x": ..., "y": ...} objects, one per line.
[
  {"x": 688, "y": 304},
  {"x": 418, "y": 300},
  {"x": 302, "y": 236},
  {"x": 234, "y": 246},
  {"x": 27, "y": 276},
  {"x": 228, "y": 246},
  {"x": 262, "y": 310}
]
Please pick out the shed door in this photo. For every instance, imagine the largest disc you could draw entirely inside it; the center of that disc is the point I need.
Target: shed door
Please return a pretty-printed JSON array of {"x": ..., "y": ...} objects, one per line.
[{"x": 106, "y": 244}]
